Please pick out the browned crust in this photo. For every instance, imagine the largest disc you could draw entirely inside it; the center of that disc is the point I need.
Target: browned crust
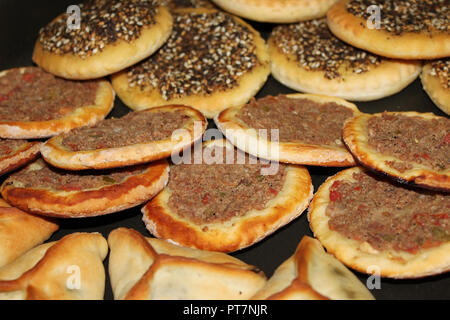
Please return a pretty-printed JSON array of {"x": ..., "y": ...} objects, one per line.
[
  {"x": 108, "y": 199},
  {"x": 244, "y": 138},
  {"x": 55, "y": 153},
  {"x": 25, "y": 154},
  {"x": 356, "y": 138},
  {"x": 353, "y": 30},
  {"x": 435, "y": 90}
]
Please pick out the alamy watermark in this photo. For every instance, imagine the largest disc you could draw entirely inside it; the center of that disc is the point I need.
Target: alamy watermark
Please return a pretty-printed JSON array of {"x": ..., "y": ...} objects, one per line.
[
  {"x": 73, "y": 21},
  {"x": 374, "y": 20}
]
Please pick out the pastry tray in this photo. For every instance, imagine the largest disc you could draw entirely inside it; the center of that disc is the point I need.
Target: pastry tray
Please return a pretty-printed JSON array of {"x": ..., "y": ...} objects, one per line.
[{"x": 20, "y": 22}]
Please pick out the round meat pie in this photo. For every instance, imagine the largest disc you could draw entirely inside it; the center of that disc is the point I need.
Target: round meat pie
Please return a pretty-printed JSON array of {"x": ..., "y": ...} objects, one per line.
[
  {"x": 295, "y": 128},
  {"x": 36, "y": 104},
  {"x": 401, "y": 29},
  {"x": 376, "y": 226},
  {"x": 411, "y": 147},
  {"x": 138, "y": 137},
  {"x": 41, "y": 189},
  {"x": 436, "y": 82},
  {"x": 226, "y": 200},
  {"x": 307, "y": 57},
  {"x": 211, "y": 61},
  {"x": 15, "y": 153},
  {"x": 277, "y": 11},
  {"x": 109, "y": 36}
]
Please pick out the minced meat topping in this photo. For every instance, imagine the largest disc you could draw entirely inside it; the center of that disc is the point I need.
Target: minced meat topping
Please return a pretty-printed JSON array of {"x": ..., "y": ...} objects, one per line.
[
  {"x": 36, "y": 95},
  {"x": 133, "y": 128},
  {"x": 412, "y": 139},
  {"x": 206, "y": 193},
  {"x": 298, "y": 120},
  {"x": 388, "y": 216},
  {"x": 8, "y": 146}
]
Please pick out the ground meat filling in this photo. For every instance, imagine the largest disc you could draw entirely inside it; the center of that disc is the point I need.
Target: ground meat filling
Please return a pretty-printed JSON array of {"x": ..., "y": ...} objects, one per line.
[
  {"x": 205, "y": 193},
  {"x": 388, "y": 216},
  {"x": 133, "y": 128},
  {"x": 412, "y": 139},
  {"x": 298, "y": 120},
  {"x": 35, "y": 95},
  {"x": 52, "y": 178},
  {"x": 8, "y": 146}
]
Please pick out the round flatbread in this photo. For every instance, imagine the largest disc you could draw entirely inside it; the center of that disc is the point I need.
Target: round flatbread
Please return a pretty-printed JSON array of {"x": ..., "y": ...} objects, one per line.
[
  {"x": 225, "y": 201},
  {"x": 36, "y": 104},
  {"x": 411, "y": 147},
  {"x": 15, "y": 153},
  {"x": 436, "y": 82},
  {"x": 307, "y": 57},
  {"x": 138, "y": 137},
  {"x": 295, "y": 128},
  {"x": 106, "y": 37},
  {"x": 378, "y": 227},
  {"x": 277, "y": 11},
  {"x": 178, "y": 4},
  {"x": 211, "y": 61},
  {"x": 401, "y": 29},
  {"x": 41, "y": 189}
]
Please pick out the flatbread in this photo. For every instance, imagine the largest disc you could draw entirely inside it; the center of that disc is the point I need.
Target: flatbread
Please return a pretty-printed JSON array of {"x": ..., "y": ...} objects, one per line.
[
  {"x": 16, "y": 153},
  {"x": 249, "y": 139},
  {"x": 143, "y": 268},
  {"x": 436, "y": 83},
  {"x": 223, "y": 227},
  {"x": 68, "y": 269}
]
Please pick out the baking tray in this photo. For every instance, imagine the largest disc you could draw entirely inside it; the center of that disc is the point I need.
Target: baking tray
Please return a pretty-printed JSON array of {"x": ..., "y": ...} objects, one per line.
[{"x": 20, "y": 22}]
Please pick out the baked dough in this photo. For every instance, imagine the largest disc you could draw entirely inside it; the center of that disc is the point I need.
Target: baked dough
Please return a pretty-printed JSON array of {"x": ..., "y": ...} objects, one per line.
[
  {"x": 235, "y": 232},
  {"x": 106, "y": 56},
  {"x": 78, "y": 201},
  {"x": 13, "y": 240},
  {"x": 68, "y": 269},
  {"x": 189, "y": 85},
  {"x": 313, "y": 274},
  {"x": 80, "y": 116},
  {"x": 356, "y": 137},
  {"x": 246, "y": 138},
  {"x": 19, "y": 156},
  {"x": 151, "y": 269},
  {"x": 178, "y": 4},
  {"x": 427, "y": 43},
  {"x": 277, "y": 11},
  {"x": 56, "y": 153},
  {"x": 434, "y": 87},
  {"x": 340, "y": 70}
]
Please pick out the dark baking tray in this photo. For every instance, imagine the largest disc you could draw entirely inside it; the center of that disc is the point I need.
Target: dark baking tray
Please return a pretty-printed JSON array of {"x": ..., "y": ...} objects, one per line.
[{"x": 20, "y": 22}]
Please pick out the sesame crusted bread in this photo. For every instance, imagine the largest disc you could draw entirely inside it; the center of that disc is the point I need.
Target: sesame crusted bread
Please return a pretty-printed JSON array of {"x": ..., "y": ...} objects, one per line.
[
  {"x": 226, "y": 200},
  {"x": 307, "y": 57},
  {"x": 436, "y": 82},
  {"x": 178, "y": 4},
  {"x": 111, "y": 36},
  {"x": 142, "y": 268},
  {"x": 211, "y": 61},
  {"x": 277, "y": 11},
  {"x": 408, "y": 29},
  {"x": 44, "y": 190},
  {"x": 410, "y": 147},
  {"x": 309, "y": 129},
  {"x": 67, "y": 269},
  {"x": 376, "y": 226},
  {"x": 36, "y": 104},
  {"x": 15, "y": 153}
]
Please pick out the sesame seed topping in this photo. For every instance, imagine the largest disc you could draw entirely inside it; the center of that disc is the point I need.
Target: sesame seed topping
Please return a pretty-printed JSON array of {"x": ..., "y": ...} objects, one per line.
[
  {"x": 440, "y": 68},
  {"x": 102, "y": 22},
  {"x": 317, "y": 49},
  {"x": 174, "y": 4},
  {"x": 400, "y": 16},
  {"x": 206, "y": 52}
]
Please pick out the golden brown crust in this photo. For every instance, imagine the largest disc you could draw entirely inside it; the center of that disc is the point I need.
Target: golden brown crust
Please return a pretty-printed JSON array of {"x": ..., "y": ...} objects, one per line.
[
  {"x": 50, "y": 271},
  {"x": 55, "y": 153},
  {"x": 277, "y": 11},
  {"x": 244, "y": 138},
  {"x": 355, "y": 135},
  {"x": 81, "y": 116},
  {"x": 361, "y": 256},
  {"x": 147, "y": 269},
  {"x": 113, "y": 58},
  {"x": 419, "y": 45},
  {"x": 23, "y": 155},
  {"x": 134, "y": 190},
  {"x": 210, "y": 105},
  {"x": 238, "y": 232},
  {"x": 435, "y": 90}
]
